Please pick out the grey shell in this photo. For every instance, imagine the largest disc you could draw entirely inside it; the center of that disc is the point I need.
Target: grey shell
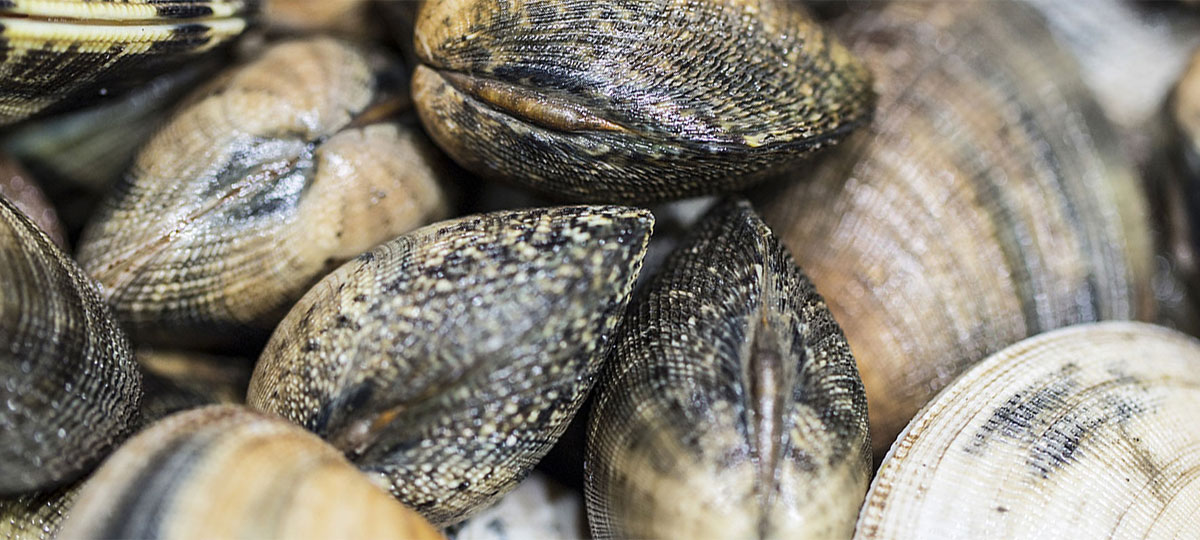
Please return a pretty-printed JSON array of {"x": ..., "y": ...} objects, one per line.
[
  {"x": 449, "y": 360},
  {"x": 731, "y": 407}
]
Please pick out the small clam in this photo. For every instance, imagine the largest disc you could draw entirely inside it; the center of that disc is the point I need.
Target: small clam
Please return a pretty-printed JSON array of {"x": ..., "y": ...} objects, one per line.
[
  {"x": 632, "y": 101},
  {"x": 1085, "y": 432},
  {"x": 226, "y": 472},
  {"x": 731, "y": 407},
  {"x": 69, "y": 387},
  {"x": 261, "y": 185},
  {"x": 61, "y": 53},
  {"x": 987, "y": 202},
  {"x": 449, "y": 360}
]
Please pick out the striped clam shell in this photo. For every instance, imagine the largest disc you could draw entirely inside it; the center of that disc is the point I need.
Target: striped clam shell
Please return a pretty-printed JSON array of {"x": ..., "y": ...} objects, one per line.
[
  {"x": 1084, "y": 432},
  {"x": 227, "y": 472},
  {"x": 986, "y": 202},
  {"x": 288, "y": 167},
  {"x": 449, "y": 360},
  {"x": 731, "y": 406},
  {"x": 62, "y": 53},
  {"x": 632, "y": 101},
  {"x": 69, "y": 386}
]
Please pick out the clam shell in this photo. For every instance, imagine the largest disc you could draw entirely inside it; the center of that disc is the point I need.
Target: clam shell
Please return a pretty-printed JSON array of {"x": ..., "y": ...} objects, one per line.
[
  {"x": 36, "y": 516},
  {"x": 731, "y": 407},
  {"x": 70, "y": 387},
  {"x": 449, "y": 360},
  {"x": 1085, "y": 432},
  {"x": 633, "y": 101},
  {"x": 987, "y": 202},
  {"x": 226, "y": 472},
  {"x": 62, "y": 53},
  {"x": 19, "y": 187},
  {"x": 257, "y": 189}
]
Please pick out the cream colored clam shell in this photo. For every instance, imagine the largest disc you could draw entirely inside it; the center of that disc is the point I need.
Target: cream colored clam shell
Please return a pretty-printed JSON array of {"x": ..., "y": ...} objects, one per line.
[{"x": 1087, "y": 432}]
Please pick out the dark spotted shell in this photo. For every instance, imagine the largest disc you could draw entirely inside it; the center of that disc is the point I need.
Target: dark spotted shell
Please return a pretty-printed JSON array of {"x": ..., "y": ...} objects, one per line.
[
  {"x": 69, "y": 386},
  {"x": 1084, "y": 432},
  {"x": 632, "y": 101},
  {"x": 988, "y": 201},
  {"x": 228, "y": 472},
  {"x": 449, "y": 360},
  {"x": 63, "y": 53},
  {"x": 257, "y": 188},
  {"x": 731, "y": 406}
]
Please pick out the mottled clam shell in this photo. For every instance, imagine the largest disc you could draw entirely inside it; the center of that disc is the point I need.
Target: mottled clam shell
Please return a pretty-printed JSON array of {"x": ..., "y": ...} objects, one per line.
[
  {"x": 257, "y": 189},
  {"x": 36, "y": 516},
  {"x": 632, "y": 101},
  {"x": 19, "y": 188},
  {"x": 987, "y": 202},
  {"x": 69, "y": 387},
  {"x": 227, "y": 472},
  {"x": 449, "y": 360},
  {"x": 731, "y": 406},
  {"x": 63, "y": 53},
  {"x": 1085, "y": 432}
]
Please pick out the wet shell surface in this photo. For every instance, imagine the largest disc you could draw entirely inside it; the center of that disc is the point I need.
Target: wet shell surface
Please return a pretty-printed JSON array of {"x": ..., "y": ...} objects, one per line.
[
  {"x": 62, "y": 53},
  {"x": 449, "y": 360},
  {"x": 227, "y": 472},
  {"x": 987, "y": 202},
  {"x": 36, "y": 516},
  {"x": 257, "y": 189},
  {"x": 1085, "y": 432},
  {"x": 731, "y": 407},
  {"x": 632, "y": 101},
  {"x": 70, "y": 387}
]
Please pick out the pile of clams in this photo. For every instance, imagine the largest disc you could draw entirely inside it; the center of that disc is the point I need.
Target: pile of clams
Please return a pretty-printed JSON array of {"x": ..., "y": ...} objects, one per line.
[{"x": 599, "y": 269}]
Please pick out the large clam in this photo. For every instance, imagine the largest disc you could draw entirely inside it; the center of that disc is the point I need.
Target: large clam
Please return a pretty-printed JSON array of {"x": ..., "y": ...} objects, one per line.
[
  {"x": 226, "y": 472},
  {"x": 69, "y": 387},
  {"x": 1085, "y": 432},
  {"x": 986, "y": 202},
  {"x": 450, "y": 359},
  {"x": 632, "y": 101},
  {"x": 62, "y": 53},
  {"x": 261, "y": 185},
  {"x": 731, "y": 407}
]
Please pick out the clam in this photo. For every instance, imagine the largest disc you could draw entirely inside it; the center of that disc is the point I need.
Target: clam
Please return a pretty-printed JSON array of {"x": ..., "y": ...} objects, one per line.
[
  {"x": 271, "y": 178},
  {"x": 56, "y": 54},
  {"x": 987, "y": 202},
  {"x": 449, "y": 360},
  {"x": 69, "y": 387},
  {"x": 1085, "y": 432},
  {"x": 731, "y": 406},
  {"x": 634, "y": 101},
  {"x": 226, "y": 472}
]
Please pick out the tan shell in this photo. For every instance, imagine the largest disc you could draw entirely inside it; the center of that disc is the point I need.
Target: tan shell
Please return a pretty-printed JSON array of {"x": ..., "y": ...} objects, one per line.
[
  {"x": 19, "y": 187},
  {"x": 227, "y": 472},
  {"x": 69, "y": 387},
  {"x": 632, "y": 101},
  {"x": 987, "y": 202},
  {"x": 254, "y": 191},
  {"x": 63, "y": 53},
  {"x": 449, "y": 360},
  {"x": 1085, "y": 432},
  {"x": 730, "y": 407}
]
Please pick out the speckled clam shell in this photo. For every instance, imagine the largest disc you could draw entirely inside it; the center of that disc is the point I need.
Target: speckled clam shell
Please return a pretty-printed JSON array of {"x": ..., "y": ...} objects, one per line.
[
  {"x": 257, "y": 189},
  {"x": 227, "y": 472},
  {"x": 1085, "y": 432},
  {"x": 538, "y": 508},
  {"x": 69, "y": 387},
  {"x": 632, "y": 101},
  {"x": 449, "y": 360},
  {"x": 63, "y": 53},
  {"x": 987, "y": 202},
  {"x": 731, "y": 407}
]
